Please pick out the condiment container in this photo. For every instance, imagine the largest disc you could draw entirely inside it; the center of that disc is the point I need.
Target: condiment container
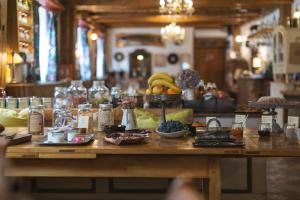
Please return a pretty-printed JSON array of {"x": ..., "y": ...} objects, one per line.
[
  {"x": 85, "y": 118},
  {"x": 77, "y": 94},
  {"x": 237, "y": 130},
  {"x": 11, "y": 103},
  {"x": 116, "y": 95},
  {"x": 105, "y": 116},
  {"x": 2, "y": 102},
  {"x": 23, "y": 102},
  {"x": 98, "y": 94},
  {"x": 47, "y": 102},
  {"x": 36, "y": 120},
  {"x": 35, "y": 101},
  {"x": 56, "y": 136}
]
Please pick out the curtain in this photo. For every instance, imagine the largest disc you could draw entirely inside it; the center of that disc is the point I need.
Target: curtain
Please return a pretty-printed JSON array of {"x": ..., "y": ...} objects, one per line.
[
  {"x": 100, "y": 62},
  {"x": 47, "y": 45},
  {"x": 83, "y": 53},
  {"x": 34, "y": 74}
]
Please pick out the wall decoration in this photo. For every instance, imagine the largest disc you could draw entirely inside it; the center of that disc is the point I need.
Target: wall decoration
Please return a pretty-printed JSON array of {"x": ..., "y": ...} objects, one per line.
[
  {"x": 173, "y": 58},
  {"x": 119, "y": 56},
  {"x": 124, "y": 40},
  {"x": 160, "y": 60}
]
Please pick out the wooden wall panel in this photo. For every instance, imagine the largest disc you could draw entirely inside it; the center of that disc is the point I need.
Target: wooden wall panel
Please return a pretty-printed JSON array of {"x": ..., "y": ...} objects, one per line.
[
  {"x": 3, "y": 28},
  {"x": 209, "y": 59}
]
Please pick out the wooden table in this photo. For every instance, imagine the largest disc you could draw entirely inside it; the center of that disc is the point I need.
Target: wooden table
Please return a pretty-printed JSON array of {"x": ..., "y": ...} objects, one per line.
[{"x": 160, "y": 158}]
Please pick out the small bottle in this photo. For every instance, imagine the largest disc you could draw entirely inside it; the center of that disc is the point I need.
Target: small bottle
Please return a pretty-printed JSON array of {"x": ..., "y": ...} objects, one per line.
[
  {"x": 23, "y": 102},
  {"x": 47, "y": 102},
  {"x": 11, "y": 103},
  {"x": 35, "y": 101},
  {"x": 116, "y": 95},
  {"x": 85, "y": 118},
  {"x": 36, "y": 120}
]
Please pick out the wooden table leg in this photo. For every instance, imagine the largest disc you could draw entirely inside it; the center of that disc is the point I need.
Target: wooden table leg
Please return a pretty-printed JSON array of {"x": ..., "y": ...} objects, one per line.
[{"x": 215, "y": 179}]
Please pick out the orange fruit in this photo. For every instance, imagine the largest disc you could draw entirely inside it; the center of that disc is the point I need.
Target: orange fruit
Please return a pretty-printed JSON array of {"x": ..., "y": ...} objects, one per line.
[
  {"x": 171, "y": 91},
  {"x": 157, "y": 89}
]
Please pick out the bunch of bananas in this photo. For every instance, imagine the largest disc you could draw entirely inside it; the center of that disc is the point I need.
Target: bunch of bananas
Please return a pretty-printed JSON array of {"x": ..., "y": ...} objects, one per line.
[{"x": 162, "y": 83}]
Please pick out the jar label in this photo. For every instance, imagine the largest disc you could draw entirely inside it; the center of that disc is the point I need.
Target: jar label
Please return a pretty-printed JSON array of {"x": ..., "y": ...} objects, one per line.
[
  {"x": 36, "y": 123},
  {"x": 83, "y": 121}
]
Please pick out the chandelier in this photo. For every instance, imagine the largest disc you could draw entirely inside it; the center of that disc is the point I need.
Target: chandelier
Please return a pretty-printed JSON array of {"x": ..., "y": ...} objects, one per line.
[
  {"x": 176, "y": 7},
  {"x": 173, "y": 32}
]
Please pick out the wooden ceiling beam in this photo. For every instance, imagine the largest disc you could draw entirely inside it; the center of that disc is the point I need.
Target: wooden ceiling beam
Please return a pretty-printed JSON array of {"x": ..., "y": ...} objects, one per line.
[{"x": 197, "y": 3}]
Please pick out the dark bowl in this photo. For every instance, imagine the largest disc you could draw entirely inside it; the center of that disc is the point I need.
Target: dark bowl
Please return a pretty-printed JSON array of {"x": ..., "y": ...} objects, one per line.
[{"x": 114, "y": 129}]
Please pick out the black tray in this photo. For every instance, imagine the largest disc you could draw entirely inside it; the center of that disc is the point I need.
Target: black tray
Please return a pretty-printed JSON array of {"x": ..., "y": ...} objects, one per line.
[
  {"x": 218, "y": 144},
  {"x": 44, "y": 141}
]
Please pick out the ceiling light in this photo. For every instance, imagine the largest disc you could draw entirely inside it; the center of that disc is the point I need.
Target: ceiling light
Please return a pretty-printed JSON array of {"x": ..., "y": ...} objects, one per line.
[
  {"x": 173, "y": 32},
  {"x": 240, "y": 39},
  {"x": 176, "y": 7},
  {"x": 94, "y": 36},
  {"x": 140, "y": 57}
]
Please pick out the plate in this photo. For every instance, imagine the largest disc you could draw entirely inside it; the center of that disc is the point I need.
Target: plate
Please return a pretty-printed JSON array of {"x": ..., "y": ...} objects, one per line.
[
  {"x": 176, "y": 134},
  {"x": 87, "y": 140}
]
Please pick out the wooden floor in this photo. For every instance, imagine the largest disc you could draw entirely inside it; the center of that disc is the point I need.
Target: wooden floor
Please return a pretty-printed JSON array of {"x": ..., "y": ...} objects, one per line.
[{"x": 283, "y": 178}]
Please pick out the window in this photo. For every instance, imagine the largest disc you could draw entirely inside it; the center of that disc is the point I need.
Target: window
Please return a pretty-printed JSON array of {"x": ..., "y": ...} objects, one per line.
[{"x": 47, "y": 45}]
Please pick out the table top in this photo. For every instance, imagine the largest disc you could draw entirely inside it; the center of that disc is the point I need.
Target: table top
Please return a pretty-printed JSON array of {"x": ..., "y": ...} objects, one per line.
[{"x": 275, "y": 145}]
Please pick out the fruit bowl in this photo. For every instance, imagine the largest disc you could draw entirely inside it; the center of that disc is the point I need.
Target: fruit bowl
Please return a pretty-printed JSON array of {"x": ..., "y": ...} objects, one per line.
[
  {"x": 177, "y": 134},
  {"x": 164, "y": 98}
]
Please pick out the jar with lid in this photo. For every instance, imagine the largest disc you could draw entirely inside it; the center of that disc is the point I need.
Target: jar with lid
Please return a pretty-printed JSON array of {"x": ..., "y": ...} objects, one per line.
[
  {"x": 36, "y": 120},
  {"x": 116, "y": 96},
  {"x": 47, "y": 102},
  {"x": 35, "y": 101},
  {"x": 105, "y": 116},
  {"x": 61, "y": 96},
  {"x": 98, "y": 94},
  {"x": 85, "y": 118},
  {"x": 11, "y": 103},
  {"x": 23, "y": 102},
  {"x": 77, "y": 94}
]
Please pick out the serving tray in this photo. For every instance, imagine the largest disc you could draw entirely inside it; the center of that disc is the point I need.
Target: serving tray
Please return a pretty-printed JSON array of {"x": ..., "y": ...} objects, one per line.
[
  {"x": 87, "y": 140},
  {"x": 218, "y": 144}
]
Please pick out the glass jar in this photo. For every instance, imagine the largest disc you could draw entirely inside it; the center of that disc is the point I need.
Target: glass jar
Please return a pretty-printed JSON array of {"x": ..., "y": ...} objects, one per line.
[
  {"x": 237, "y": 130},
  {"x": 61, "y": 96},
  {"x": 116, "y": 96},
  {"x": 23, "y": 102},
  {"x": 11, "y": 103},
  {"x": 98, "y": 94},
  {"x": 36, "y": 120},
  {"x": 47, "y": 102},
  {"x": 105, "y": 116},
  {"x": 62, "y": 116},
  {"x": 35, "y": 101},
  {"x": 2, "y": 102},
  {"x": 85, "y": 118},
  {"x": 77, "y": 94}
]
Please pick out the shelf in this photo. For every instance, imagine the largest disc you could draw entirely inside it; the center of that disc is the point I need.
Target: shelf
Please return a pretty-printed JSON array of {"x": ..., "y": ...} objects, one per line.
[{"x": 262, "y": 33}]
